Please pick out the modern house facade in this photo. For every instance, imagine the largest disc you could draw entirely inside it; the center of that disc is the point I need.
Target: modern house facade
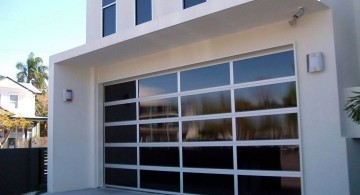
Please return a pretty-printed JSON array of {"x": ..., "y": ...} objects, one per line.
[{"x": 208, "y": 96}]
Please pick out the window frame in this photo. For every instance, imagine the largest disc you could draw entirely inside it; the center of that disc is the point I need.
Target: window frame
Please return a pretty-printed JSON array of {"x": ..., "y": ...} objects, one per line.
[
  {"x": 16, "y": 102},
  {"x": 103, "y": 7},
  {"x": 151, "y": 13},
  {"x": 184, "y": 4}
]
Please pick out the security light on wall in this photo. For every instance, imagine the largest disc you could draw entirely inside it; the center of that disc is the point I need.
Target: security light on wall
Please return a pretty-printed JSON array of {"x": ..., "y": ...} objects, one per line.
[
  {"x": 67, "y": 95},
  {"x": 315, "y": 62},
  {"x": 296, "y": 16}
]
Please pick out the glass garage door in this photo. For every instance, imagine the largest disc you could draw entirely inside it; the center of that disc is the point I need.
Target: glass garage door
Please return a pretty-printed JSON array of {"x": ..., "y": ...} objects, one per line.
[{"x": 225, "y": 128}]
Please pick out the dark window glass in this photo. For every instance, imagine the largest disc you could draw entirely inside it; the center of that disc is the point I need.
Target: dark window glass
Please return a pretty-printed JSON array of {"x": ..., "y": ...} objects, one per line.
[
  {"x": 121, "y": 112},
  {"x": 266, "y": 97},
  {"x": 121, "y": 177},
  {"x": 107, "y": 2},
  {"x": 196, "y": 183},
  {"x": 160, "y": 156},
  {"x": 120, "y": 134},
  {"x": 124, "y": 155},
  {"x": 264, "y": 67},
  {"x": 190, "y": 3},
  {"x": 273, "y": 158},
  {"x": 269, "y": 185},
  {"x": 282, "y": 126},
  {"x": 121, "y": 91},
  {"x": 143, "y": 11},
  {"x": 109, "y": 20},
  {"x": 160, "y": 180},
  {"x": 158, "y": 85},
  {"x": 212, "y": 76},
  {"x": 208, "y": 103},
  {"x": 159, "y": 132},
  {"x": 208, "y": 157},
  {"x": 163, "y": 108},
  {"x": 208, "y": 130}
]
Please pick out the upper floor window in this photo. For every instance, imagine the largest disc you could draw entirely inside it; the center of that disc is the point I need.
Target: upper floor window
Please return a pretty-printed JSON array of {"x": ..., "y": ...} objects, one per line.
[
  {"x": 190, "y": 3},
  {"x": 143, "y": 11},
  {"x": 14, "y": 101},
  {"x": 109, "y": 17}
]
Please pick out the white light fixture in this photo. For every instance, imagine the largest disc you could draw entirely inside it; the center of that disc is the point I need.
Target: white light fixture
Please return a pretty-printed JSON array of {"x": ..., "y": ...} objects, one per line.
[
  {"x": 67, "y": 95},
  {"x": 315, "y": 62},
  {"x": 296, "y": 16}
]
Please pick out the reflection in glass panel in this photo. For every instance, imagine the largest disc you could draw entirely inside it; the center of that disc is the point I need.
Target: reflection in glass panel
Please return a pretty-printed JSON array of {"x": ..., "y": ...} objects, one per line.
[
  {"x": 163, "y": 108},
  {"x": 159, "y": 132},
  {"x": 121, "y": 91},
  {"x": 198, "y": 183},
  {"x": 264, "y": 67},
  {"x": 208, "y": 157},
  {"x": 121, "y": 155},
  {"x": 107, "y": 2},
  {"x": 120, "y": 134},
  {"x": 212, "y": 76},
  {"x": 160, "y": 180},
  {"x": 208, "y": 130},
  {"x": 109, "y": 20},
  {"x": 266, "y": 97},
  {"x": 121, "y": 112},
  {"x": 282, "y": 126},
  {"x": 272, "y": 158},
  {"x": 268, "y": 185},
  {"x": 190, "y": 3},
  {"x": 143, "y": 11},
  {"x": 159, "y": 156},
  {"x": 164, "y": 84},
  {"x": 208, "y": 103},
  {"x": 121, "y": 177}
]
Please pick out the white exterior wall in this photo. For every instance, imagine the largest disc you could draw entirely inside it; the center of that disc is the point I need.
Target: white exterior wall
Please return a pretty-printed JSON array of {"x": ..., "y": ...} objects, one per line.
[
  {"x": 26, "y": 99},
  {"x": 71, "y": 145}
]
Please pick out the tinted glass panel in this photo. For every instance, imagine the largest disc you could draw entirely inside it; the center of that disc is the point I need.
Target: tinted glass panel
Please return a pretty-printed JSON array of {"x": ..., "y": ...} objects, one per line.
[
  {"x": 120, "y": 134},
  {"x": 160, "y": 180},
  {"x": 208, "y": 130},
  {"x": 208, "y": 103},
  {"x": 124, "y": 155},
  {"x": 282, "y": 126},
  {"x": 208, "y": 157},
  {"x": 268, "y": 185},
  {"x": 121, "y": 177},
  {"x": 163, "y": 108},
  {"x": 190, "y": 3},
  {"x": 158, "y": 85},
  {"x": 211, "y": 76},
  {"x": 277, "y": 158},
  {"x": 208, "y": 183},
  {"x": 121, "y": 91},
  {"x": 266, "y": 97},
  {"x": 157, "y": 156},
  {"x": 264, "y": 67},
  {"x": 159, "y": 132},
  {"x": 143, "y": 11},
  {"x": 122, "y": 112},
  {"x": 109, "y": 20},
  {"x": 107, "y": 2}
]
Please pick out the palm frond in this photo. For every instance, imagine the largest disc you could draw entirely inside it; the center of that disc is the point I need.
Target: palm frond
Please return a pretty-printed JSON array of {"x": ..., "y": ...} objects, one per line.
[{"x": 352, "y": 107}]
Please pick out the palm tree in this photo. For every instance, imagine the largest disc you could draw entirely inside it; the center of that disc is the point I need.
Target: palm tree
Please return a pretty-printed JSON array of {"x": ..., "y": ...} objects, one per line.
[{"x": 33, "y": 72}]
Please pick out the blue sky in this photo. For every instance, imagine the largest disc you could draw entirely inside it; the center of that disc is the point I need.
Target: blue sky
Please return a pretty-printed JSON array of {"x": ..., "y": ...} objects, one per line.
[{"x": 44, "y": 27}]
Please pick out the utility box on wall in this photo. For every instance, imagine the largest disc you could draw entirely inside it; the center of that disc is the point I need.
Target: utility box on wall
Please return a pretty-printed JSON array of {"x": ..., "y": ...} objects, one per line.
[{"x": 349, "y": 128}]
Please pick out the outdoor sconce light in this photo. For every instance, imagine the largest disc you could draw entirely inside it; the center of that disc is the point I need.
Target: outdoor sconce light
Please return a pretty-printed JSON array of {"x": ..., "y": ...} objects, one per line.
[
  {"x": 67, "y": 95},
  {"x": 315, "y": 62}
]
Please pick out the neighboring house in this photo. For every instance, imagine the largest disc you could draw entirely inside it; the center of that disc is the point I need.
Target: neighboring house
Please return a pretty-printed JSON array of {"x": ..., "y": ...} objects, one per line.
[
  {"x": 19, "y": 98},
  {"x": 208, "y": 96}
]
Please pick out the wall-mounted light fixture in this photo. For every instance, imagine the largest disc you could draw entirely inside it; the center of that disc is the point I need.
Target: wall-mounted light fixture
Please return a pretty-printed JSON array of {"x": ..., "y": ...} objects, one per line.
[
  {"x": 315, "y": 62},
  {"x": 67, "y": 95},
  {"x": 296, "y": 16}
]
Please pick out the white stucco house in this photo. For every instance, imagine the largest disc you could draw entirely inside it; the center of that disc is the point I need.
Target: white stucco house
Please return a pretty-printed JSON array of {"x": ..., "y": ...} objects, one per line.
[{"x": 208, "y": 97}]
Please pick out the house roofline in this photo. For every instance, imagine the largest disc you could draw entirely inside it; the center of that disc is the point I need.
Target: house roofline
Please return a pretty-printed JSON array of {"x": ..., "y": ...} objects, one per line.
[{"x": 20, "y": 84}]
